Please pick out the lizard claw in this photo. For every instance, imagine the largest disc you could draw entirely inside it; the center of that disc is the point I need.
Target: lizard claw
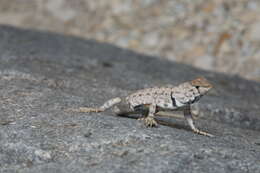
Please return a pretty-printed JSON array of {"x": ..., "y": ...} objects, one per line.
[
  {"x": 150, "y": 122},
  {"x": 141, "y": 119}
]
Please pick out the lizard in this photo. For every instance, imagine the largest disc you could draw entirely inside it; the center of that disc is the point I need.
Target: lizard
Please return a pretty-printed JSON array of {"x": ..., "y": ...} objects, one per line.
[{"x": 149, "y": 101}]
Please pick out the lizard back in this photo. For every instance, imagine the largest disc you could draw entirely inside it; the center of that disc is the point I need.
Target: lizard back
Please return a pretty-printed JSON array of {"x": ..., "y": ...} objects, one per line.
[{"x": 150, "y": 96}]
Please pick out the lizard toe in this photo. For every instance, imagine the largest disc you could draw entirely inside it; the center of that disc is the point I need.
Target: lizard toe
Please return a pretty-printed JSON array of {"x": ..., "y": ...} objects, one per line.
[
  {"x": 150, "y": 122},
  {"x": 141, "y": 119}
]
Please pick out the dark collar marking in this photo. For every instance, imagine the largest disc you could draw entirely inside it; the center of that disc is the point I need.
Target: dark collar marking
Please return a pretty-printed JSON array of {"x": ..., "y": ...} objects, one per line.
[{"x": 173, "y": 100}]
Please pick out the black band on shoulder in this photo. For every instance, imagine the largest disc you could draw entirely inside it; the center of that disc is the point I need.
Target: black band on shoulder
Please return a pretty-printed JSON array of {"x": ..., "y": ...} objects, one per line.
[{"x": 173, "y": 101}]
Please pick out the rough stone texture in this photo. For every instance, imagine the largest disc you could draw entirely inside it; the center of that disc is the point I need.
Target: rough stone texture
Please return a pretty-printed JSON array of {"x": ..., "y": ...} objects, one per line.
[
  {"x": 43, "y": 74},
  {"x": 202, "y": 33}
]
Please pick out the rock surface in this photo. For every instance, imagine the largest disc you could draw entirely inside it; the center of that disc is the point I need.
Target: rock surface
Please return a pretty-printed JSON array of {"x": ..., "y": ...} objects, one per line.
[{"x": 43, "y": 74}]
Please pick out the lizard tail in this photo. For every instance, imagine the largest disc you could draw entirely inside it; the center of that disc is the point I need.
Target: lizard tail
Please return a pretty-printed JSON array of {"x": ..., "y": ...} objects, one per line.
[{"x": 108, "y": 104}]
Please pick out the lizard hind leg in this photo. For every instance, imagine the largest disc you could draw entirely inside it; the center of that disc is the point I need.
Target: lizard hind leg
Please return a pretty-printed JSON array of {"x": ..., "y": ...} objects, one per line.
[
  {"x": 107, "y": 105},
  {"x": 143, "y": 110},
  {"x": 149, "y": 120}
]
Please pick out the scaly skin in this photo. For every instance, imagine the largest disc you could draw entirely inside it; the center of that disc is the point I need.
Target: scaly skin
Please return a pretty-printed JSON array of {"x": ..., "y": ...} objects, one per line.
[{"x": 149, "y": 101}]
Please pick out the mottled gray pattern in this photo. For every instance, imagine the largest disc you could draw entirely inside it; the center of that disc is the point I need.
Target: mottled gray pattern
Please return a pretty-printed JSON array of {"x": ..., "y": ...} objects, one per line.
[{"x": 149, "y": 101}]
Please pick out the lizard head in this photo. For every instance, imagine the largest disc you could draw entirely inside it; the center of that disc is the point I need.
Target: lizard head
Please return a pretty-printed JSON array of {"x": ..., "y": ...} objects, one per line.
[{"x": 201, "y": 84}]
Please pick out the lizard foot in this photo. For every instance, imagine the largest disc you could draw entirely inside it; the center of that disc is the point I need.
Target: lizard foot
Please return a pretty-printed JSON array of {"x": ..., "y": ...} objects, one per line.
[
  {"x": 202, "y": 133},
  {"x": 149, "y": 122},
  {"x": 85, "y": 110}
]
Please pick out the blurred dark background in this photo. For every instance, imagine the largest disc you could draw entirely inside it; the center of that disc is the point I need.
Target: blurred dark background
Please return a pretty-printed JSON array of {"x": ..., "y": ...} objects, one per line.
[{"x": 217, "y": 35}]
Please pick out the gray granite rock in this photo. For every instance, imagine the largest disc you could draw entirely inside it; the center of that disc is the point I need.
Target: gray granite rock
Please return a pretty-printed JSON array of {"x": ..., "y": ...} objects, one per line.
[{"x": 43, "y": 74}]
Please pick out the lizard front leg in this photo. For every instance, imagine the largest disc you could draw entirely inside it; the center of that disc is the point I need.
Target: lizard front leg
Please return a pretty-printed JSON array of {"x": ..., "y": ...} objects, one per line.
[
  {"x": 188, "y": 117},
  {"x": 149, "y": 121}
]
